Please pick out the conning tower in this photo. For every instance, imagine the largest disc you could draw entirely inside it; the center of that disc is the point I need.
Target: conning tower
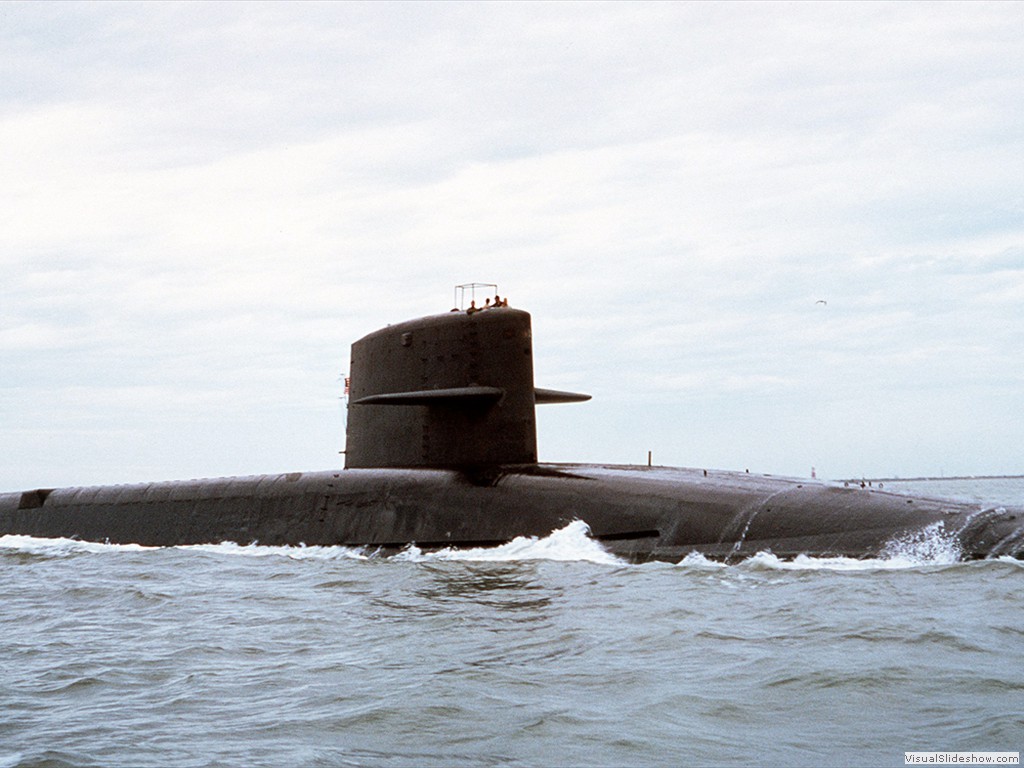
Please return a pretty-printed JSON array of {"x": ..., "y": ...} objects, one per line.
[{"x": 446, "y": 391}]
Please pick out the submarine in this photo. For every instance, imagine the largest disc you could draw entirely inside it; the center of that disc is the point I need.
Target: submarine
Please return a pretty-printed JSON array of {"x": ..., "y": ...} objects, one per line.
[{"x": 441, "y": 452}]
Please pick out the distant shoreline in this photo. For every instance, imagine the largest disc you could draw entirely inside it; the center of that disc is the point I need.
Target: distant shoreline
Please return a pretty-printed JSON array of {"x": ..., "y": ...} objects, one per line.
[{"x": 919, "y": 479}]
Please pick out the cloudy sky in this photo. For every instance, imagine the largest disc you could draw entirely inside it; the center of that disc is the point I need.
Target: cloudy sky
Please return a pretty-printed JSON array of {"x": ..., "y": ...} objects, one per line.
[{"x": 203, "y": 205}]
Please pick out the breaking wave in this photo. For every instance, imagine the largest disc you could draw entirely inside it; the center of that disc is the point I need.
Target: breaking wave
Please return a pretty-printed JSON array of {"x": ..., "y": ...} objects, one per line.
[
  {"x": 571, "y": 543},
  {"x": 300, "y": 552},
  {"x": 69, "y": 547},
  {"x": 30, "y": 545},
  {"x": 932, "y": 544},
  {"x": 766, "y": 561}
]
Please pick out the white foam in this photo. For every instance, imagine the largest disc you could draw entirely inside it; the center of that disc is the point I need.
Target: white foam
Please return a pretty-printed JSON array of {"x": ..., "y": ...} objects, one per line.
[
  {"x": 60, "y": 547},
  {"x": 696, "y": 560},
  {"x": 768, "y": 561},
  {"x": 571, "y": 543},
  {"x": 300, "y": 552},
  {"x": 63, "y": 547},
  {"x": 1010, "y": 559},
  {"x": 932, "y": 545}
]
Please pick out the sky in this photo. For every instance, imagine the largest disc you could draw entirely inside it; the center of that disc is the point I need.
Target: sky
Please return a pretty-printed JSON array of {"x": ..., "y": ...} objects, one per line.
[{"x": 764, "y": 236}]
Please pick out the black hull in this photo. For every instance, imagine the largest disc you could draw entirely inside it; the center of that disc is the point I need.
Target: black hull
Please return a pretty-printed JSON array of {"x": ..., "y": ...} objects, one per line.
[{"x": 635, "y": 512}]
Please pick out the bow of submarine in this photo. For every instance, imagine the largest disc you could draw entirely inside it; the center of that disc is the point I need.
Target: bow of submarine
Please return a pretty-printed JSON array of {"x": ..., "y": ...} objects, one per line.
[{"x": 643, "y": 513}]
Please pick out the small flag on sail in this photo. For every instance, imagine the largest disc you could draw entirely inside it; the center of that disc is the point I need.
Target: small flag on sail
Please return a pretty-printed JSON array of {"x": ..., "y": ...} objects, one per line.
[{"x": 348, "y": 384}]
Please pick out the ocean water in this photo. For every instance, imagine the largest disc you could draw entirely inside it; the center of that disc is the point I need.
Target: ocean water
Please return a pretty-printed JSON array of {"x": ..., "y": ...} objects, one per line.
[{"x": 537, "y": 653}]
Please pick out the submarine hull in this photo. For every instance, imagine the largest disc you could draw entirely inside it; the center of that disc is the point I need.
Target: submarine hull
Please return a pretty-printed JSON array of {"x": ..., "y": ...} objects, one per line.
[{"x": 638, "y": 513}]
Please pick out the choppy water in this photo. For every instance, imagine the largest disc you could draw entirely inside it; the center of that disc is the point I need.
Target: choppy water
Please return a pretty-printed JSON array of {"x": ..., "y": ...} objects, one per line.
[{"x": 534, "y": 654}]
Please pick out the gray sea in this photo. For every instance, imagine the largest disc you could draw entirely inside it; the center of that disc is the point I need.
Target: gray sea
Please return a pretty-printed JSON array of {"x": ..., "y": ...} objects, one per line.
[{"x": 539, "y": 653}]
